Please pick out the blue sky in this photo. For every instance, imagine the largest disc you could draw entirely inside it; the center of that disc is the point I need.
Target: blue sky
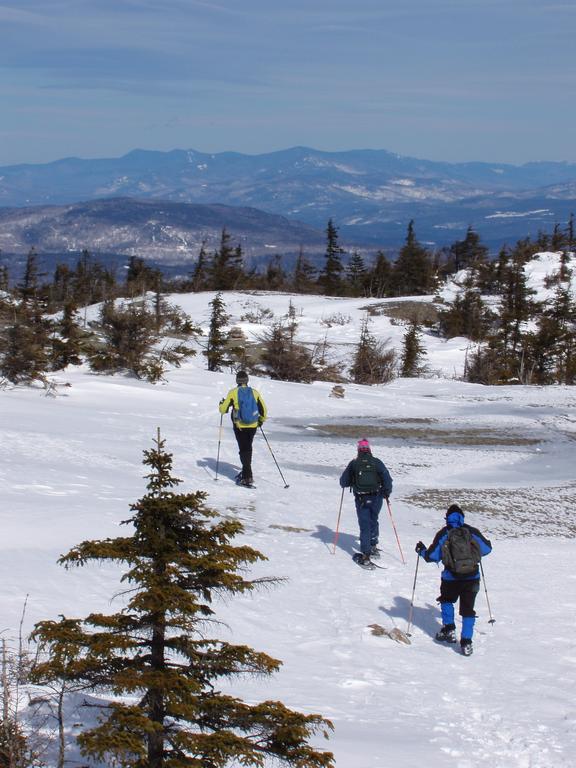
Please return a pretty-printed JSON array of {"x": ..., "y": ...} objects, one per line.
[{"x": 454, "y": 80}]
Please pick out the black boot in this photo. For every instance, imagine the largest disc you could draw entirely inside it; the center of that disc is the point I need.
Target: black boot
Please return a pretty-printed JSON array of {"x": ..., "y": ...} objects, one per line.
[{"x": 447, "y": 634}]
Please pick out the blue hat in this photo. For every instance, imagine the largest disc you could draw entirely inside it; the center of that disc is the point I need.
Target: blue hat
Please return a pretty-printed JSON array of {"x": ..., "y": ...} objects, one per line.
[{"x": 454, "y": 516}]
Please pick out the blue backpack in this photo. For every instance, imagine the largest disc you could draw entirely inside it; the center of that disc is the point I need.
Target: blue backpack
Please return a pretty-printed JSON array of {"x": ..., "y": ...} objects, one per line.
[{"x": 248, "y": 411}]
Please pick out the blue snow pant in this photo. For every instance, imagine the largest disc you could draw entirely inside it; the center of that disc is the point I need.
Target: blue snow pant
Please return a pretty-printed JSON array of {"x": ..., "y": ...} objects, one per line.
[
  {"x": 368, "y": 508},
  {"x": 465, "y": 590}
]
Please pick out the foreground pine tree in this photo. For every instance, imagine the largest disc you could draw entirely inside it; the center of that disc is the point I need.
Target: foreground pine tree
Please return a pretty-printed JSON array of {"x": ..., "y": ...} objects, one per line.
[{"x": 154, "y": 655}]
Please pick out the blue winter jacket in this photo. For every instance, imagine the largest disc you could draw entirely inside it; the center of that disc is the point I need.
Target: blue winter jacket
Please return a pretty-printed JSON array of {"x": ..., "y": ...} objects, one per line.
[
  {"x": 434, "y": 552},
  {"x": 347, "y": 477}
]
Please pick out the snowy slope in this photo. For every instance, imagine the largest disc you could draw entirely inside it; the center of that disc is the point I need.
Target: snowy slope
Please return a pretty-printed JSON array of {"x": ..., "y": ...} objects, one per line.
[{"x": 71, "y": 465}]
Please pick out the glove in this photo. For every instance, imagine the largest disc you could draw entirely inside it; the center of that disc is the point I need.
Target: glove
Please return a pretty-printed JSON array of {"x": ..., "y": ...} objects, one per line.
[
  {"x": 419, "y": 548},
  {"x": 221, "y": 401},
  {"x": 260, "y": 421}
]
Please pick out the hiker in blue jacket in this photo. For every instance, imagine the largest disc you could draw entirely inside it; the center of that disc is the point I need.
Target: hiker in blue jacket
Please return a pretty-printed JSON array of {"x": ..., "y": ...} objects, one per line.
[
  {"x": 460, "y": 553},
  {"x": 371, "y": 483},
  {"x": 244, "y": 430}
]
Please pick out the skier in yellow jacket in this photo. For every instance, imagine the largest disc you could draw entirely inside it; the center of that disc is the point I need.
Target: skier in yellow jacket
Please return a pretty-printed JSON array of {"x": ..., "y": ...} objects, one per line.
[{"x": 248, "y": 413}]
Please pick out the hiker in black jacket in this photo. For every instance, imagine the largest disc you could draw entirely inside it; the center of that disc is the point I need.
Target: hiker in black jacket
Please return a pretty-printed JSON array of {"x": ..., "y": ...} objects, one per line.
[
  {"x": 460, "y": 548},
  {"x": 371, "y": 483}
]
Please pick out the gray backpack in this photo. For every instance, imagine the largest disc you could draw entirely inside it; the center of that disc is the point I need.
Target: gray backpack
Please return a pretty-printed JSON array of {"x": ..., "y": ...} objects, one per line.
[{"x": 460, "y": 552}]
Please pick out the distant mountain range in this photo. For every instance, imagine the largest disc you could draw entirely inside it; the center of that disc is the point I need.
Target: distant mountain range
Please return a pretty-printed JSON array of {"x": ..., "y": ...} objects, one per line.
[
  {"x": 167, "y": 233},
  {"x": 370, "y": 194}
]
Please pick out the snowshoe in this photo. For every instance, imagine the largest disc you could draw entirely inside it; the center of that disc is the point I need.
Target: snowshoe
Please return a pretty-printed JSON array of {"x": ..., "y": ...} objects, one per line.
[
  {"x": 363, "y": 561},
  {"x": 375, "y": 552},
  {"x": 466, "y": 646},
  {"x": 447, "y": 634},
  {"x": 245, "y": 482}
]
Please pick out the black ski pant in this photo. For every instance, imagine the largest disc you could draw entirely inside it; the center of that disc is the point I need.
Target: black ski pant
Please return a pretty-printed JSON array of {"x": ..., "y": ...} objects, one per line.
[
  {"x": 244, "y": 438},
  {"x": 463, "y": 589}
]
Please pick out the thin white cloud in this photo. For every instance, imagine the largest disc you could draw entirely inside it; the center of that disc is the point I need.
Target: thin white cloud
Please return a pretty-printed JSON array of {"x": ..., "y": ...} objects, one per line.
[{"x": 17, "y": 16}]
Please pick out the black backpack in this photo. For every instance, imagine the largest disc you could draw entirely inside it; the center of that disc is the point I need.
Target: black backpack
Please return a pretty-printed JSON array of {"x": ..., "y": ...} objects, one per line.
[
  {"x": 460, "y": 552},
  {"x": 366, "y": 477}
]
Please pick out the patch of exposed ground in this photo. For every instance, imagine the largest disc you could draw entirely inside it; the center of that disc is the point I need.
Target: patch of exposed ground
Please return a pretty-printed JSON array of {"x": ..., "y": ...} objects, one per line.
[
  {"x": 405, "y": 311},
  {"x": 450, "y": 435},
  {"x": 291, "y": 528},
  {"x": 508, "y": 512}
]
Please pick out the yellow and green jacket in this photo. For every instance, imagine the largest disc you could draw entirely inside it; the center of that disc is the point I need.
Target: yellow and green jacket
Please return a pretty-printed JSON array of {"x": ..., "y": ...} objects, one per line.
[{"x": 231, "y": 400}]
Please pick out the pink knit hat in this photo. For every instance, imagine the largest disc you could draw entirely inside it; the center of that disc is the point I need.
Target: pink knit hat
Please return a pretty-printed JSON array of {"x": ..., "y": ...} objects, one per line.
[{"x": 363, "y": 445}]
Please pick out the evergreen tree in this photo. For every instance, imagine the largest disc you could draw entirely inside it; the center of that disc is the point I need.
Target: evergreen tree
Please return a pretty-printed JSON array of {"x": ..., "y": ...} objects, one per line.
[
  {"x": 60, "y": 290},
  {"x": 412, "y": 352},
  {"x": 558, "y": 240},
  {"x": 412, "y": 272},
  {"x": 330, "y": 278},
  {"x": 467, "y": 253},
  {"x": 153, "y": 654},
  {"x": 283, "y": 358},
  {"x": 516, "y": 305},
  {"x": 570, "y": 241},
  {"x": 4, "y": 278},
  {"x": 466, "y": 316},
  {"x": 373, "y": 362},
  {"x": 199, "y": 278},
  {"x": 380, "y": 279},
  {"x": 25, "y": 340},
  {"x": 226, "y": 267},
  {"x": 553, "y": 345},
  {"x": 29, "y": 287},
  {"x": 68, "y": 345},
  {"x": 129, "y": 343},
  {"x": 304, "y": 277},
  {"x": 91, "y": 282},
  {"x": 215, "y": 352},
  {"x": 356, "y": 275},
  {"x": 275, "y": 276},
  {"x": 141, "y": 278}
]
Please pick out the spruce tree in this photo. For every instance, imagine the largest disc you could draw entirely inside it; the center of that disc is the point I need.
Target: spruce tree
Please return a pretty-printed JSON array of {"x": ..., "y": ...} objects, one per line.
[
  {"x": 154, "y": 655},
  {"x": 304, "y": 276},
  {"x": 412, "y": 272},
  {"x": 140, "y": 278},
  {"x": 356, "y": 275},
  {"x": 570, "y": 241},
  {"x": 413, "y": 352},
  {"x": 380, "y": 277},
  {"x": 199, "y": 277},
  {"x": 373, "y": 361},
  {"x": 129, "y": 343},
  {"x": 466, "y": 316},
  {"x": 69, "y": 344},
  {"x": 553, "y": 344},
  {"x": 25, "y": 342},
  {"x": 467, "y": 253},
  {"x": 226, "y": 268},
  {"x": 4, "y": 278},
  {"x": 283, "y": 358},
  {"x": 29, "y": 286},
  {"x": 274, "y": 278},
  {"x": 330, "y": 278},
  {"x": 215, "y": 351}
]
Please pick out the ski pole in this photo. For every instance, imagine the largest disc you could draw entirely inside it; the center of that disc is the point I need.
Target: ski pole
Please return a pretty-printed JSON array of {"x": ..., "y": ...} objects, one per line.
[
  {"x": 274, "y": 457},
  {"x": 338, "y": 522},
  {"x": 491, "y": 620},
  {"x": 395, "y": 532},
  {"x": 219, "y": 441},
  {"x": 412, "y": 600}
]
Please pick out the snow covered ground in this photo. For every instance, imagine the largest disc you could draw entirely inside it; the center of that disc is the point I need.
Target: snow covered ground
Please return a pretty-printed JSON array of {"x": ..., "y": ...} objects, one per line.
[{"x": 71, "y": 465}]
